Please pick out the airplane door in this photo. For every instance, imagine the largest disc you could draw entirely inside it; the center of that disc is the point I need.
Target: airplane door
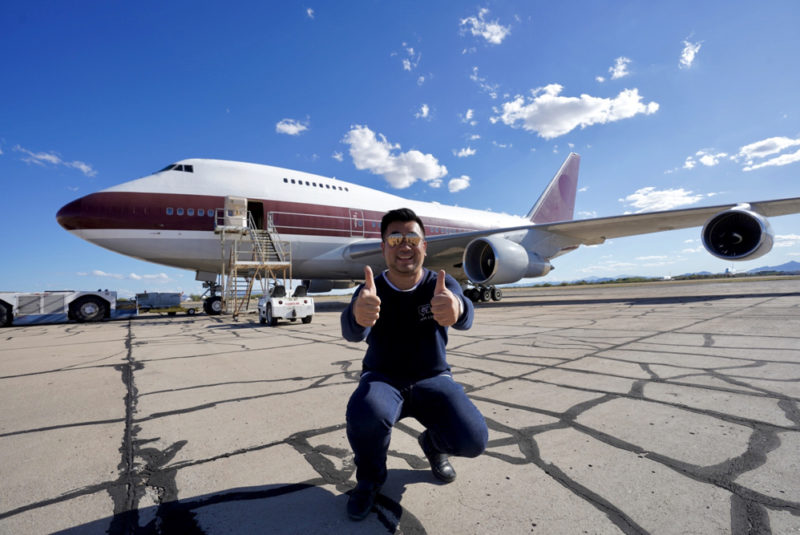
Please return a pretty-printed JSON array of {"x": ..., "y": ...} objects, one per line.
[{"x": 356, "y": 223}]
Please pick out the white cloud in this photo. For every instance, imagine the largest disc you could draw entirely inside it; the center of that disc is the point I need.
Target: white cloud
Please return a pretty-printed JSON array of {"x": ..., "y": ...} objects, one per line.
[
  {"x": 768, "y": 147},
  {"x": 310, "y": 13},
  {"x": 469, "y": 117},
  {"x": 620, "y": 68},
  {"x": 291, "y": 127},
  {"x": 412, "y": 58},
  {"x": 338, "y": 156},
  {"x": 783, "y": 159},
  {"x": 704, "y": 157},
  {"x": 689, "y": 54},
  {"x": 787, "y": 240},
  {"x": 43, "y": 158},
  {"x": 156, "y": 277},
  {"x": 551, "y": 115},
  {"x": 420, "y": 80},
  {"x": 423, "y": 113},
  {"x": 493, "y": 31},
  {"x": 466, "y": 151},
  {"x": 458, "y": 184},
  {"x": 485, "y": 86},
  {"x": 650, "y": 199},
  {"x": 600, "y": 79},
  {"x": 379, "y": 157}
]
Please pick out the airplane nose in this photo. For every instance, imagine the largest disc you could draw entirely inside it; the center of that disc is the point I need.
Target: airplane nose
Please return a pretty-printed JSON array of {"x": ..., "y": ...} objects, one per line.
[{"x": 70, "y": 215}]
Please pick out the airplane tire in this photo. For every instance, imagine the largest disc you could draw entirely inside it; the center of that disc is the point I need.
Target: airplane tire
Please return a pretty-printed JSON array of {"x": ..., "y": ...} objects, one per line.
[
  {"x": 89, "y": 309},
  {"x": 213, "y": 306},
  {"x": 497, "y": 294},
  {"x": 486, "y": 294},
  {"x": 307, "y": 319},
  {"x": 7, "y": 316},
  {"x": 270, "y": 320}
]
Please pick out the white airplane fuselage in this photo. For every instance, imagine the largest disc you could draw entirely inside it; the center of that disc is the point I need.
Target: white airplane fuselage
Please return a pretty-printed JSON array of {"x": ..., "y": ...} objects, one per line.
[{"x": 169, "y": 217}]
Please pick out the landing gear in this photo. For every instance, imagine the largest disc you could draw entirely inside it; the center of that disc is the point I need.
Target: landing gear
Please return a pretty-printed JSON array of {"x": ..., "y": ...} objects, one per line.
[
  {"x": 213, "y": 303},
  {"x": 483, "y": 294}
]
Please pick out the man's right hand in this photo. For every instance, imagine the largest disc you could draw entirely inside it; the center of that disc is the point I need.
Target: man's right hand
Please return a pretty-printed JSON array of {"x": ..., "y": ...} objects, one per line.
[{"x": 367, "y": 307}]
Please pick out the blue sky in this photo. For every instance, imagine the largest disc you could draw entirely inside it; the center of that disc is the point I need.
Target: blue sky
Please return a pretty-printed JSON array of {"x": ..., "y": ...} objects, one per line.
[{"x": 670, "y": 104}]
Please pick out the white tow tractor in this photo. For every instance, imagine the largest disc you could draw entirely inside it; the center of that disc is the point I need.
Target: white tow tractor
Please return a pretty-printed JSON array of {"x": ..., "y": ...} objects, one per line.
[
  {"x": 56, "y": 306},
  {"x": 277, "y": 305}
]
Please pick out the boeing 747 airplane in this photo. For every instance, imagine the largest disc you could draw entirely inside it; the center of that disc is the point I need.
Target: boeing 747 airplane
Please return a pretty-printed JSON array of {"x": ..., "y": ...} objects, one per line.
[{"x": 333, "y": 226}]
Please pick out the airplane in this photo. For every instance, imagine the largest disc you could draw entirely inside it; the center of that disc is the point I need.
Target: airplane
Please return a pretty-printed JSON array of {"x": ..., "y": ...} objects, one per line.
[{"x": 333, "y": 226}]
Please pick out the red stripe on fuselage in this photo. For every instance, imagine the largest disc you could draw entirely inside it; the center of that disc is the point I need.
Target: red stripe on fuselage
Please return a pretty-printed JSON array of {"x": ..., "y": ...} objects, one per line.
[{"x": 149, "y": 211}]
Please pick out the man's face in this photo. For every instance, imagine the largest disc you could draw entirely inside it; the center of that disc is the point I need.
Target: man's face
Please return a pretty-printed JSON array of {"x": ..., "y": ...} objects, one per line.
[{"x": 404, "y": 258}]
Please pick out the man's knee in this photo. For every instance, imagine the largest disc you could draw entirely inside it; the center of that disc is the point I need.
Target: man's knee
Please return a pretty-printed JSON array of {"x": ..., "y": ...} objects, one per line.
[{"x": 475, "y": 443}]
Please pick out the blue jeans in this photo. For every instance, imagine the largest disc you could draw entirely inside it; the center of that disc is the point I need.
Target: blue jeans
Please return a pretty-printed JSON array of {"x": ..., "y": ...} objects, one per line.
[{"x": 454, "y": 424}]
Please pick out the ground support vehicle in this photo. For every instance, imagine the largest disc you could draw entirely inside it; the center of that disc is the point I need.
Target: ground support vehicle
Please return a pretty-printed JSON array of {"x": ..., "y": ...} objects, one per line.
[
  {"x": 57, "y": 306},
  {"x": 163, "y": 303},
  {"x": 277, "y": 306}
]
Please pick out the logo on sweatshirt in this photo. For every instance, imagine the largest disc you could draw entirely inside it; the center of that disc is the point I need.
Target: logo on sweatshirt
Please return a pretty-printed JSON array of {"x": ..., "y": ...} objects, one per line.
[{"x": 425, "y": 312}]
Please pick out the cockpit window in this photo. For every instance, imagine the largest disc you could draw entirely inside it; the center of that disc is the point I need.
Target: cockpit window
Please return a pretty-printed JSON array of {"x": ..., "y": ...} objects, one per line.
[{"x": 178, "y": 167}]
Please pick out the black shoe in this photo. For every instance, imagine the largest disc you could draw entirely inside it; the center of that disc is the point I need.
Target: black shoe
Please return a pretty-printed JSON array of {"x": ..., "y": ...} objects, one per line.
[
  {"x": 361, "y": 500},
  {"x": 440, "y": 465}
]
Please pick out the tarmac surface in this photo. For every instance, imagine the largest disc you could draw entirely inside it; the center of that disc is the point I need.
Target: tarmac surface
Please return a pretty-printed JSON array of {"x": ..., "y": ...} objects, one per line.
[{"x": 655, "y": 408}]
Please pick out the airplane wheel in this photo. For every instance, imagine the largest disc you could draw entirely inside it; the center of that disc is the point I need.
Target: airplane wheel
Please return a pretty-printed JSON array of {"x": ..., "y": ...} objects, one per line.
[
  {"x": 89, "y": 309},
  {"x": 307, "y": 319},
  {"x": 497, "y": 294},
  {"x": 486, "y": 294},
  {"x": 472, "y": 294},
  {"x": 190, "y": 312},
  {"x": 270, "y": 320},
  {"x": 213, "y": 306}
]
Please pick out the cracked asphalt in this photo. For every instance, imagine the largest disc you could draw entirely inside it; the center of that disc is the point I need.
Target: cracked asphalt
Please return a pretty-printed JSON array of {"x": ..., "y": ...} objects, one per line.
[{"x": 651, "y": 408}]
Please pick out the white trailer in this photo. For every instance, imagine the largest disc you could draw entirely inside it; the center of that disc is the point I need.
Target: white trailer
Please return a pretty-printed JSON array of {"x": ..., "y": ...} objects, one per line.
[{"x": 55, "y": 306}]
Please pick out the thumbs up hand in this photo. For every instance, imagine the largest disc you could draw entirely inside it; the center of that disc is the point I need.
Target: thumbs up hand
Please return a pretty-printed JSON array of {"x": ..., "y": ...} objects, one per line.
[
  {"x": 444, "y": 305},
  {"x": 367, "y": 307}
]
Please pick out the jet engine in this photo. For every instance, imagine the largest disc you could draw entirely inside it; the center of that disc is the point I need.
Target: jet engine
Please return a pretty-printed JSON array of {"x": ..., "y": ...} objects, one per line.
[
  {"x": 738, "y": 234},
  {"x": 496, "y": 260}
]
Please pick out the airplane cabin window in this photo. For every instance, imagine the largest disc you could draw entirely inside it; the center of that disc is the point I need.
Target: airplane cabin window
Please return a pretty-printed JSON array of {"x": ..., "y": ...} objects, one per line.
[
  {"x": 180, "y": 211},
  {"x": 200, "y": 212},
  {"x": 210, "y": 212},
  {"x": 285, "y": 180},
  {"x": 169, "y": 211},
  {"x": 190, "y": 211},
  {"x": 188, "y": 168}
]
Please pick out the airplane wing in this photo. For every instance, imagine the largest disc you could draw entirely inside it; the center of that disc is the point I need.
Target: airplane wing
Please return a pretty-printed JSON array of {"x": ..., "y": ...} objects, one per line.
[{"x": 447, "y": 250}]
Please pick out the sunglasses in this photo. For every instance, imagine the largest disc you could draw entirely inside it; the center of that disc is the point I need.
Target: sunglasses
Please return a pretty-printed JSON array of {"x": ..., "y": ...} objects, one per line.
[{"x": 395, "y": 239}]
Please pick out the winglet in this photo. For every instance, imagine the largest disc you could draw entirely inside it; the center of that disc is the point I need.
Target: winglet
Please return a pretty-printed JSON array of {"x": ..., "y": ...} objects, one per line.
[{"x": 557, "y": 202}]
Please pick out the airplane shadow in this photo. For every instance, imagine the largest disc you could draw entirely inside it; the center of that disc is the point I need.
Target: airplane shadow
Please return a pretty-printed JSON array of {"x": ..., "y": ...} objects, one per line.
[
  {"x": 636, "y": 301},
  {"x": 296, "y": 508}
]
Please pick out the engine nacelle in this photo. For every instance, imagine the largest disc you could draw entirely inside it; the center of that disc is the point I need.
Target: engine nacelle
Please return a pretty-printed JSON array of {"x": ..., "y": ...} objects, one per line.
[
  {"x": 738, "y": 234},
  {"x": 496, "y": 260},
  {"x": 320, "y": 286}
]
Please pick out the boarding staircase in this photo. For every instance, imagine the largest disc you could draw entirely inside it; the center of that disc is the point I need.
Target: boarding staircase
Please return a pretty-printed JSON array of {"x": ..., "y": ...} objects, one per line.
[{"x": 254, "y": 255}]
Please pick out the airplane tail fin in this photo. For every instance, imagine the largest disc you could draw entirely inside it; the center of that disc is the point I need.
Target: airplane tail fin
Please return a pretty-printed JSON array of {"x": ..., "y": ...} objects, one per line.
[{"x": 557, "y": 202}]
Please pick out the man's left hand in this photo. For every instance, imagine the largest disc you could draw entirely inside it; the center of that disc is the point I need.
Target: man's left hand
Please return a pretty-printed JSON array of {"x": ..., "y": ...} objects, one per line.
[{"x": 444, "y": 305}]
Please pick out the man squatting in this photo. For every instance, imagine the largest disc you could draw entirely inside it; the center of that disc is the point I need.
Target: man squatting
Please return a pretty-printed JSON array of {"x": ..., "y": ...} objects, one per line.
[{"x": 404, "y": 314}]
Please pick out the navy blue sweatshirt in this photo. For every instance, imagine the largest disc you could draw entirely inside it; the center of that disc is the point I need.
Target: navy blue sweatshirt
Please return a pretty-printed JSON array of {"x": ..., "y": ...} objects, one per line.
[{"x": 406, "y": 343}]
